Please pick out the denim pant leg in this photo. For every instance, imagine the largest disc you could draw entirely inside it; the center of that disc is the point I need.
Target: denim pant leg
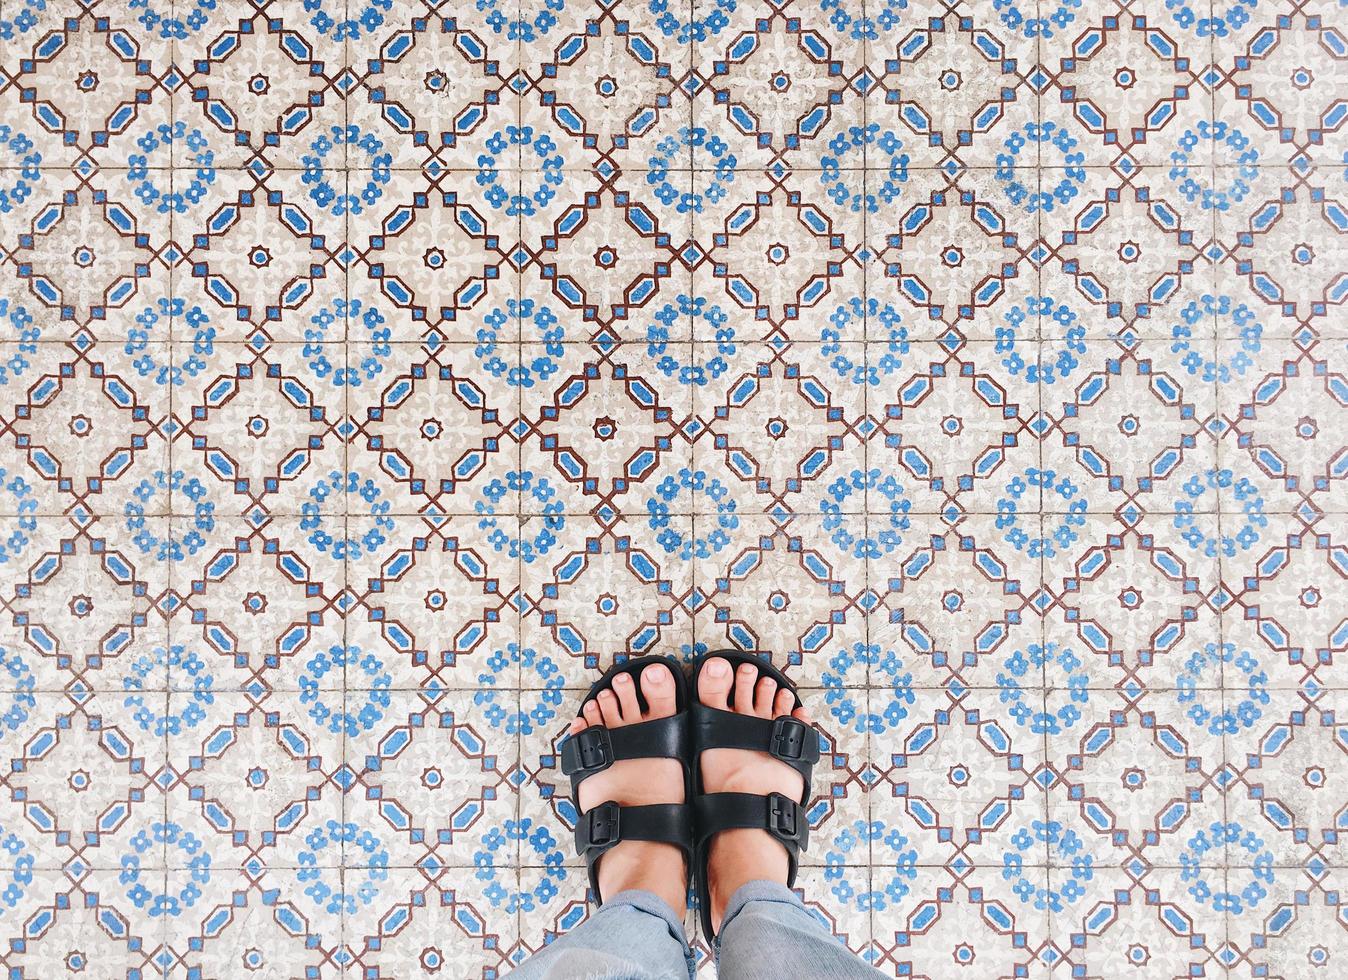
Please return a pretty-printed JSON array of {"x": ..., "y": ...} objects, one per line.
[
  {"x": 768, "y": 934},
  {"x": 632, "y": 936}
]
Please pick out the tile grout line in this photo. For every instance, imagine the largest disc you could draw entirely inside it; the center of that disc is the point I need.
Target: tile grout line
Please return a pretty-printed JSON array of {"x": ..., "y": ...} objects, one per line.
[
  {"x": 344, "y": 922},
  {"x": 518, "y": 278}
]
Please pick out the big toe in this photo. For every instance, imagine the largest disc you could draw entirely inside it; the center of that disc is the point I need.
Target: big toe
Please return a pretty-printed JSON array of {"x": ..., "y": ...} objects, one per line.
[
  {"x": 714, "y": 683},
  {"x": 657, "y": 685}
]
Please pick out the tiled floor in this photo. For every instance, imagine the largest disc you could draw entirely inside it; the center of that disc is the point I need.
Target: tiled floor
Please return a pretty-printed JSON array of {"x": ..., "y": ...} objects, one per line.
[{"x": 373, "y": 373}]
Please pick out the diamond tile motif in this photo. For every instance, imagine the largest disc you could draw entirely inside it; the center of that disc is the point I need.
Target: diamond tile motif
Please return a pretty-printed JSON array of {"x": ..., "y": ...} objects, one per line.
[{"x": 376, "y": 373}]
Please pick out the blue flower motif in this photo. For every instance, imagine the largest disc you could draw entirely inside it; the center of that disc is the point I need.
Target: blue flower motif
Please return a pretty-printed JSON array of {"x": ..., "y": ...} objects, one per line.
[
  {"x": 886, "y": 860},
  {"x": 151, "y": 327},
  {"x": 515, "y": 23},
  {"x": 1041, "y": 20},
  {"x": 346, "y": 321},
  {"x": 1243, "y": 685},
  {"x": 674, "y": 19},
  {"x": 16, "y": 25},
  {"x": 16, "y": 866},
  {"x": 148, "y": 708},
  {"x": 17, "y": 679},
  {"x": 1219, "y": 875},
  {"x": 22, "y": 507},
  {"x": 864, "y": 21},
  {"x": 881, "y": 325},
  {"x": 1051, "y": 359},
  {"x": 146, "y": 886},
  {"x": 1195, "y": 321},
  {"x": 1237, "y": 167},
  {"x": 364, "y": 862},
  {"x": 194, "y": 504},
  {"x": 1041, "y": 667},
  {"x": 20, "y": 336},
  {"x": 884, "y": 159},
  {"x": 348, "y": 669},
  {"x": 1241, "y": 533},
  {"x": 1064, "y": 848},
  {"x": 366, "y": 526},
  {"x": 501, "y": 528},
  {"x": 669, "y": 173},
  {"x": 539, "y": 677},
  {"x": 1021, "y": 177},
  {"x": 867, "y": 688},
  {"x": 498, "y": 844},
  {"x": 546, "y": 166},
  {"x": 347, "y": 20},
  {"x": 854, "y": 532},
  {"x": 331, "y": 191},
  {"x": 22, "y": 163},
  {"x": 182, "y": 19},
  {"x": 690, "y": 492},
  {"x": 191, "y": 176},
  {"x": 672, "y": 358},
  {"x": 1040, "y": 539},
  {"x": 1219, "y": 20},
  {"x": 499, "y": 360}
]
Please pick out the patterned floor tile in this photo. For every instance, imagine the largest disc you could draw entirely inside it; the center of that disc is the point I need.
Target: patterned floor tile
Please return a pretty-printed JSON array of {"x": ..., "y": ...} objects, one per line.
[{"x": 376, "y": 373}]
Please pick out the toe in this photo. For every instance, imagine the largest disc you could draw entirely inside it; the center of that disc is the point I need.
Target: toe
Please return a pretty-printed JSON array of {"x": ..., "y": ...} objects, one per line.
[
  {"x": 591, "y": 713},
  {"x": 765, "y": 693},
  {"x": 576, "y": 727},
  {"x": 608, "y": 708},
  {"x": 714, "y": 682},
  {"x": 657, "y": 684},
  {"x": 744, "y": 688},
  {"x": 803, "y": 713},
  {"x": 783, "y": 703},
  {"x": 626, "y": 690}
]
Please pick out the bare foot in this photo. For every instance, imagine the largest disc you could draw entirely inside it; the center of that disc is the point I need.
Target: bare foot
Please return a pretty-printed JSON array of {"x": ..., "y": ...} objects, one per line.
[
  {"x": 739, "y": 856},
  {"x": 648, "y": 865}
]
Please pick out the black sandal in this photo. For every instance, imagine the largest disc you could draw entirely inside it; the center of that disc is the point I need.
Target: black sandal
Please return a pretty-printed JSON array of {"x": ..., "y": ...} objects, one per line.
[
  {"x": 786, "y": 738},
  {"x": 595, "y": 748}
]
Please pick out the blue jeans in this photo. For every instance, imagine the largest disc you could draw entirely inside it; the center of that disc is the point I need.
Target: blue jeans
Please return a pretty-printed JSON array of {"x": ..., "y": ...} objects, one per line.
[{"x": 767, "y": 934}]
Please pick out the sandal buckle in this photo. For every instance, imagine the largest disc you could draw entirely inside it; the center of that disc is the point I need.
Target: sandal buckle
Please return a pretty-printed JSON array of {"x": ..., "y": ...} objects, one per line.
[
  {"x": 782, "y": 817},
  {"x": 602, "y": 825},
  {"x": 788, "y": 738},
  {"x": 593, "y": 748}
]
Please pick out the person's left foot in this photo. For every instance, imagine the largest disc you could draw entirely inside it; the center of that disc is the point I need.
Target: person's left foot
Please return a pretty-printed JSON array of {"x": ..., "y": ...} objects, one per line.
[{"x": 647, "y": 865}]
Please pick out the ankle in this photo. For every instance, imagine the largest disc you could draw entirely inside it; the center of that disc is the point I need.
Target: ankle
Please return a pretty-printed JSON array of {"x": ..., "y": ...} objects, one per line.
[
  {"x": 738, "y": 857},
  {"x": 646, "y": 866}
]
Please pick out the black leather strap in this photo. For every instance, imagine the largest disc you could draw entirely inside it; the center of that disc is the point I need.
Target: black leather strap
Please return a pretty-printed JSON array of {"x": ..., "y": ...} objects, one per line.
[
  {"x": 608, "y": 824},
  {"x": 779, "y": 815},
  {"x": 595, "y": 748},
  {"x": 786, "y": 738}
]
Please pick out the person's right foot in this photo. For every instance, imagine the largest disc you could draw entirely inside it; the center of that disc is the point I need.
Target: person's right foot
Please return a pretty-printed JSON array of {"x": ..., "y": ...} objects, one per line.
[
  {"x": 647, "y": 865},
  {"x": 739, "y": 856}
]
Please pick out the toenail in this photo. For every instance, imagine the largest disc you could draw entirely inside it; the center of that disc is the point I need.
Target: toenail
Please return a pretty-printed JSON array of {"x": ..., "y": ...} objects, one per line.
[{"x": 718, "y": 668}]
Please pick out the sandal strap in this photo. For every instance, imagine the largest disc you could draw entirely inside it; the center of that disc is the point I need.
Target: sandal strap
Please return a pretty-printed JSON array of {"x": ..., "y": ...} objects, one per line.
[
  {"x": 608, "y": 824},
  {"x": 779, "y": 815},
  {"x": 785, "y": 738},
  {"x": 594, "y": 748}
]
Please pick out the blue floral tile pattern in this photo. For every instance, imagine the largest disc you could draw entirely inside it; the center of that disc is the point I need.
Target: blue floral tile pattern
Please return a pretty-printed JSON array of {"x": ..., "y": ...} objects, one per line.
[{"x": 375, "y": 373}]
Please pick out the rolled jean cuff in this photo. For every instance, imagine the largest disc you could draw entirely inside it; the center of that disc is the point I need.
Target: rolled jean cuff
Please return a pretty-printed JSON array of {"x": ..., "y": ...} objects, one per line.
[
  {"x": 758, "y": 891},
  {"x": 652, "y": 904}
]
